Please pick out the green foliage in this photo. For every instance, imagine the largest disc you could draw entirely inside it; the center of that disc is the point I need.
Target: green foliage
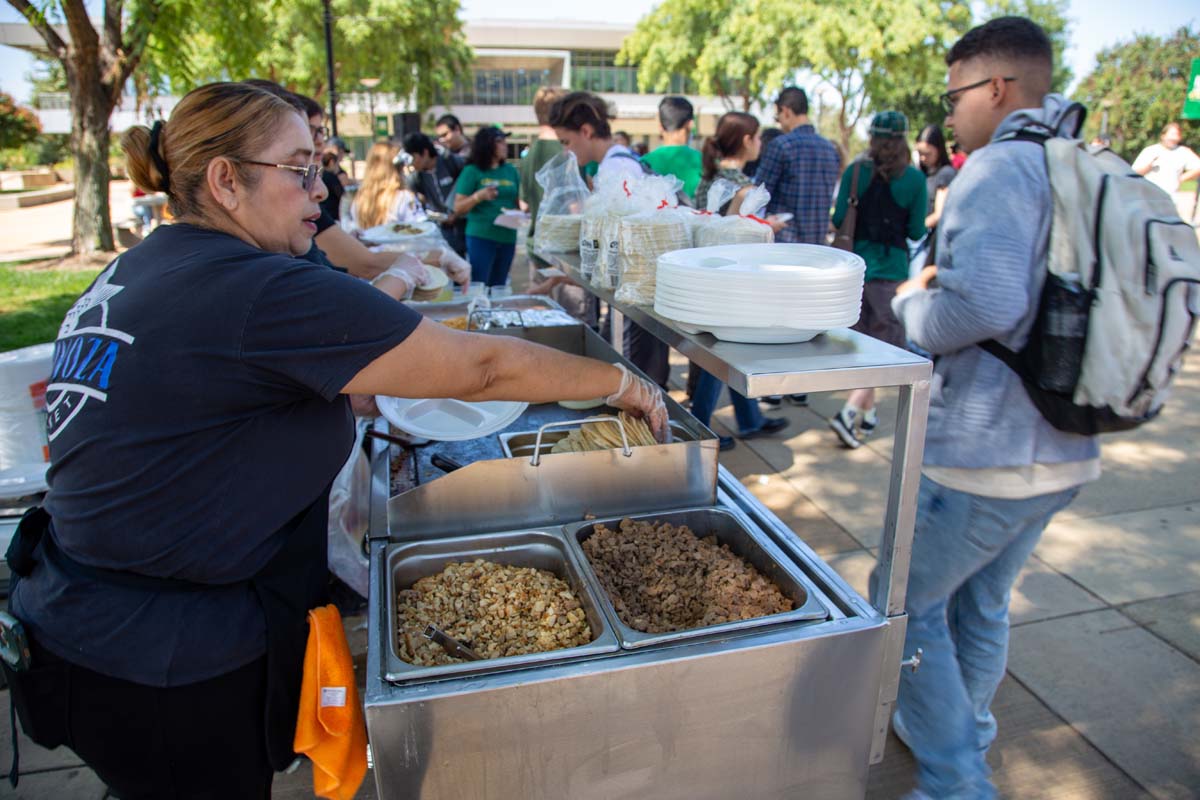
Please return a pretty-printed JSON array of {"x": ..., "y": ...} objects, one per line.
[
  {"x": 691, "y": 37},
  {"x": 1143, "y": 83},
  {"x": 416, "y": 47},
  {"x": 18, "y": 125},
  {"x": 33, "y": 302},
  {"x": 865, "y": 56},
  {"x": 46, "y": 77},
  {"x": 872, "y": 53},
  {"x": 1051, "y": 15}
]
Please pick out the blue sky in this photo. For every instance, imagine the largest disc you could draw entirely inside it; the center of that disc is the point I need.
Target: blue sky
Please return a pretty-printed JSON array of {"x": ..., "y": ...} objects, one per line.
[{"x": 1097, "y": 24}]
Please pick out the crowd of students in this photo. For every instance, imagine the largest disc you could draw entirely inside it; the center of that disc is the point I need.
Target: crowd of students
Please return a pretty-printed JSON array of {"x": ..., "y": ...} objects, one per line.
[{"x": 237, "y": 298}]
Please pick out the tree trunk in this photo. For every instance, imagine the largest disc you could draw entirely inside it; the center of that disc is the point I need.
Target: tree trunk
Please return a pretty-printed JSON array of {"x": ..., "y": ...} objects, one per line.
[{"x": 91, "y": 109}]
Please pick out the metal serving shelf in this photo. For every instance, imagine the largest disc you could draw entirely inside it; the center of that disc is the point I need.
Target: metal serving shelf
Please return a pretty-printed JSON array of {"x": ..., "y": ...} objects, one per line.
[{"x": 838, "y": 360}]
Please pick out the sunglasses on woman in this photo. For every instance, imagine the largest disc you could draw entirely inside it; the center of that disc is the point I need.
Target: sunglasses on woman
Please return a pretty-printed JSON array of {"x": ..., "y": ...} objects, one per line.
[{"x": 308, "y": 175}]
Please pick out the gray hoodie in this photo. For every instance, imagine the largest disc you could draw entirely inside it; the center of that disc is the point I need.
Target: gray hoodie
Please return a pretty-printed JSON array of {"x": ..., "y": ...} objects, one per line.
[{"x": 992, "y": 242}]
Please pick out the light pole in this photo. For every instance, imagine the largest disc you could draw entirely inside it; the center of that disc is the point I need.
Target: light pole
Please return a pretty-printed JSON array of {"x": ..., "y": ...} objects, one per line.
[
  {"x": 333, "y": 98},
  {"x": 369, "y": 84}
]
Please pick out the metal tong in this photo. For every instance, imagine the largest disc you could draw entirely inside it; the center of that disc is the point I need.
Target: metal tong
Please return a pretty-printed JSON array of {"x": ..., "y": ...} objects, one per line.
[{"x": 451, "y": 645}]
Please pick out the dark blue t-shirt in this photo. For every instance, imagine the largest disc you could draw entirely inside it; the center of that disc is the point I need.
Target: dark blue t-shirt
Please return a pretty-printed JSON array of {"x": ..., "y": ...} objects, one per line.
[{"x": 193, "y": 410}]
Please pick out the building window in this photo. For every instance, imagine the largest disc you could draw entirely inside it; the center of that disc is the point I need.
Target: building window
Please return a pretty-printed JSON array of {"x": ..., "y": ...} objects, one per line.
[
  {"x": 597, "y": 71},
  {"x": 499, "y": 87}
]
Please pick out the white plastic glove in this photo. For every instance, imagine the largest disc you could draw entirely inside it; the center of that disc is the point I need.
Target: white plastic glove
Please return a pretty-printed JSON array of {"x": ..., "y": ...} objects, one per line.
[
  {"x": 642, "y": 398},
  {"x": 406, "y": 269},
  {"x": 456, "y": 266}
]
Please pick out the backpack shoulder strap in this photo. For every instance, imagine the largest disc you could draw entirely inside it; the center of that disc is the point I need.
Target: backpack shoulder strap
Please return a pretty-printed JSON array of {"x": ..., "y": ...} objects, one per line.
[{"x": 854, "y": 183}]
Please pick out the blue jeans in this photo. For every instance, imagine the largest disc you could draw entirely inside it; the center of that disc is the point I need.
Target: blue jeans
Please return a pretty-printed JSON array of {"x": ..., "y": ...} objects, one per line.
[
  {"x": 704, "y": 400},
  {"x": 967, "y": 552},
  {"x": 490, "y": 260}
]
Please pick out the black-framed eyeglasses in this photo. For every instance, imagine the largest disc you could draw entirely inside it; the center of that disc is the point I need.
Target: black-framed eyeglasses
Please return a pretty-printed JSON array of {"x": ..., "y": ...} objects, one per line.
[
  {"x": 319, "y": 130},
  {"x": 308, "y": 175},
  {"x": 950, "y": 97}
]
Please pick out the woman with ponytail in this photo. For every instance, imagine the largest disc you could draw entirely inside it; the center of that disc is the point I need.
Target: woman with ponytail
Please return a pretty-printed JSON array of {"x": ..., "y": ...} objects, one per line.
[
  {"x": 198, "y": 412},
  {"x": 725, "y": 154}
]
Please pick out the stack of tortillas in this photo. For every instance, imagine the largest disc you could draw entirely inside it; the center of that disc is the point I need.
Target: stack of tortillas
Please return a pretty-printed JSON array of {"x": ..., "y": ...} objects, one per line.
[
  {"x": 433, "y": 287},
  {"x": 605, "y": 436}
]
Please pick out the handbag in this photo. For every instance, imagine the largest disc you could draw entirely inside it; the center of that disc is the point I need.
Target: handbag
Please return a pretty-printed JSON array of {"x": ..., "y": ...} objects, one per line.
[{"x": 844, "y": 239}]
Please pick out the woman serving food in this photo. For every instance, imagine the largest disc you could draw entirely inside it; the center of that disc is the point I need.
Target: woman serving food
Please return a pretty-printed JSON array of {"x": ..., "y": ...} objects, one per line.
[{"x": 197, "y": 415}]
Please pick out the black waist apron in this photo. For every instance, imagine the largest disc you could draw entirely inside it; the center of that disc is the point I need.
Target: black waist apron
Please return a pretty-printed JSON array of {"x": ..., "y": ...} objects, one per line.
[{"x": 291, "y": 583}]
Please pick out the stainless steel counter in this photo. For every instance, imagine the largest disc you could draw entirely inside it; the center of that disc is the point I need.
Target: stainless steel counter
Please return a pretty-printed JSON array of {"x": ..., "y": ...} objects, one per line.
[
  {"x": 796, "y": 708},
  {"x": 838, "y": 360}
]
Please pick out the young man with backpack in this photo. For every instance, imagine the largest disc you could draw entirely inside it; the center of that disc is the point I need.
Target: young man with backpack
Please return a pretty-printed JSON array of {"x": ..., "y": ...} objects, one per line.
[{"x": 995, "y": 471}]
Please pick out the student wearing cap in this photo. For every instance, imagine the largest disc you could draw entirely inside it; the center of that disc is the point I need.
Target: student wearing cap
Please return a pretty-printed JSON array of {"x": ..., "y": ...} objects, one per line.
[
  {"x": 487, "y": 186},
  {"x": 891, "y": 209}
]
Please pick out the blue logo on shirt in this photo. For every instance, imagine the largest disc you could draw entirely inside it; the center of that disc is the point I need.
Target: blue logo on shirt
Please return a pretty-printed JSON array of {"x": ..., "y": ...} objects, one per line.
[{"x": 84, "y": 355}]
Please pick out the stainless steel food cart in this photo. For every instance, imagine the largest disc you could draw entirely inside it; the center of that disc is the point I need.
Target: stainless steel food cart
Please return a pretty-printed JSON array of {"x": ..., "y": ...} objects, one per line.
[{"x": 794, "y": 706}]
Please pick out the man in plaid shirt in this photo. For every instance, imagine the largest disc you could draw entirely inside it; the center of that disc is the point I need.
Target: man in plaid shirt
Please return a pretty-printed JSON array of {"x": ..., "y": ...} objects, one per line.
[{"x": 800, "y": 170}]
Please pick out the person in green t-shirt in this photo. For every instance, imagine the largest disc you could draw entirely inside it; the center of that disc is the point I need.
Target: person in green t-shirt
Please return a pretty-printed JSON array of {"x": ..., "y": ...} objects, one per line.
[
  {"x": 545, "y": 147},
  {"x": 487, "y": 186},
  {"x": 676, "y": 117}
]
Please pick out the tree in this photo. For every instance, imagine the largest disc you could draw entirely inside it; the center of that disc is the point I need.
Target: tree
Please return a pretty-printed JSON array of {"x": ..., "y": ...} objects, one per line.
[
  {"x": 690, "y": 37},
  {"x": 417, "y": 48},
  {"x": 46, "y": 77},
  {"x": 865, "y": 53},
  {"x": 1141, "y": 84},
  {"x": 174, "y": 44},
  {"x": 18, "y": 125},
  {"x": 1051, "y": 15},
  {"x": 742, "y": 49}
]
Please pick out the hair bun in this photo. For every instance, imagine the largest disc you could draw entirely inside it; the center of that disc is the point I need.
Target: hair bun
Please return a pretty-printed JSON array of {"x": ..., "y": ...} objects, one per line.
[{"x": 160, "y": 163}]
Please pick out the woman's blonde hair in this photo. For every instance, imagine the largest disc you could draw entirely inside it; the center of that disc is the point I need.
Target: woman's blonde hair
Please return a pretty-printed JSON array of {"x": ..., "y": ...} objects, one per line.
[
  {"x": 380, "y": 184},
  {"x": 234, "y": 120}
]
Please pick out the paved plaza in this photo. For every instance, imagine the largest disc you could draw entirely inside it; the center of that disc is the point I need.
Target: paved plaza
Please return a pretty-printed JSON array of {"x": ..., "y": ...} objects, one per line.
[{"x": 1102, "y": 697}]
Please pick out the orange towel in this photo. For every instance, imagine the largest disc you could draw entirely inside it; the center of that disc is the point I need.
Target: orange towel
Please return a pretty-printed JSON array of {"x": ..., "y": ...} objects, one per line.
[{"x": 330, "y": 729}]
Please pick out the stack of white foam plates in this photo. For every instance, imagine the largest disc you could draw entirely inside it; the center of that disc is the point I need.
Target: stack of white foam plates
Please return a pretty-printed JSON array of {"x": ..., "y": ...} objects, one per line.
[{"x": 760, "y": 293}]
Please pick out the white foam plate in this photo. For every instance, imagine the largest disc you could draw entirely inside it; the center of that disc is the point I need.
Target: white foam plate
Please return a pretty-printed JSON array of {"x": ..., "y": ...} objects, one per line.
[
  {"x": 751, "y": 279},
  {"x": 755, "y": 335},
  {"x": 809, "y": 319},
  {"x": 448, "y": 420},
  {"x": 383, "y": 234},
  {"x": 777, "y": 258},
  {"x": 23, "y": 479},
  {"x": 747, "y": 298}
]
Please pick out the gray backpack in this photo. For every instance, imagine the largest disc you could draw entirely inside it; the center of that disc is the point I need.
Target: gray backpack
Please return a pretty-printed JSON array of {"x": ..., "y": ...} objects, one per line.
[{"x": 1121, "y": 297}]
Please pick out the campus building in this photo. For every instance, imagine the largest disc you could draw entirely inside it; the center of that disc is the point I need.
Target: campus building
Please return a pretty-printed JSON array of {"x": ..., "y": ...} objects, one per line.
[{"x": 512, "y": 59}]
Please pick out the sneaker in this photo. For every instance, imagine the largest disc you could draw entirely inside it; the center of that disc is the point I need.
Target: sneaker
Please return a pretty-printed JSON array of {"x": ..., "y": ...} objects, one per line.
[
  {"x": 726, "y": 443},
  {"x": 843, "y": 425},
  {"x": 774, "y": 400},
  {"x": 797, "y": 399},
  {"x": 867, "y": 429},
  {"x": 769, "y": 426}
]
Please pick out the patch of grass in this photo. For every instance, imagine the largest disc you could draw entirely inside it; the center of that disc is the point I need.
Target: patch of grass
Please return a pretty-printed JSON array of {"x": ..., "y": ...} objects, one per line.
[
  {"x": 1189, "y": 187},
  {"x": 33, "y": 302}
]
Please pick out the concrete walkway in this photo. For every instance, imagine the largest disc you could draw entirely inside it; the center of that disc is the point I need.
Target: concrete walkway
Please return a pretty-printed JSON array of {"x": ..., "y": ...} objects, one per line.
[
  {"x": 44, "y": 231},
  {"x": 1102, "y": 697}
]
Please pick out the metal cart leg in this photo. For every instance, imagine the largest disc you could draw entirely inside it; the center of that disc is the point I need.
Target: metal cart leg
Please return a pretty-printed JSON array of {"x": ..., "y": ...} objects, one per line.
[{"x": 895, "y": 551}]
